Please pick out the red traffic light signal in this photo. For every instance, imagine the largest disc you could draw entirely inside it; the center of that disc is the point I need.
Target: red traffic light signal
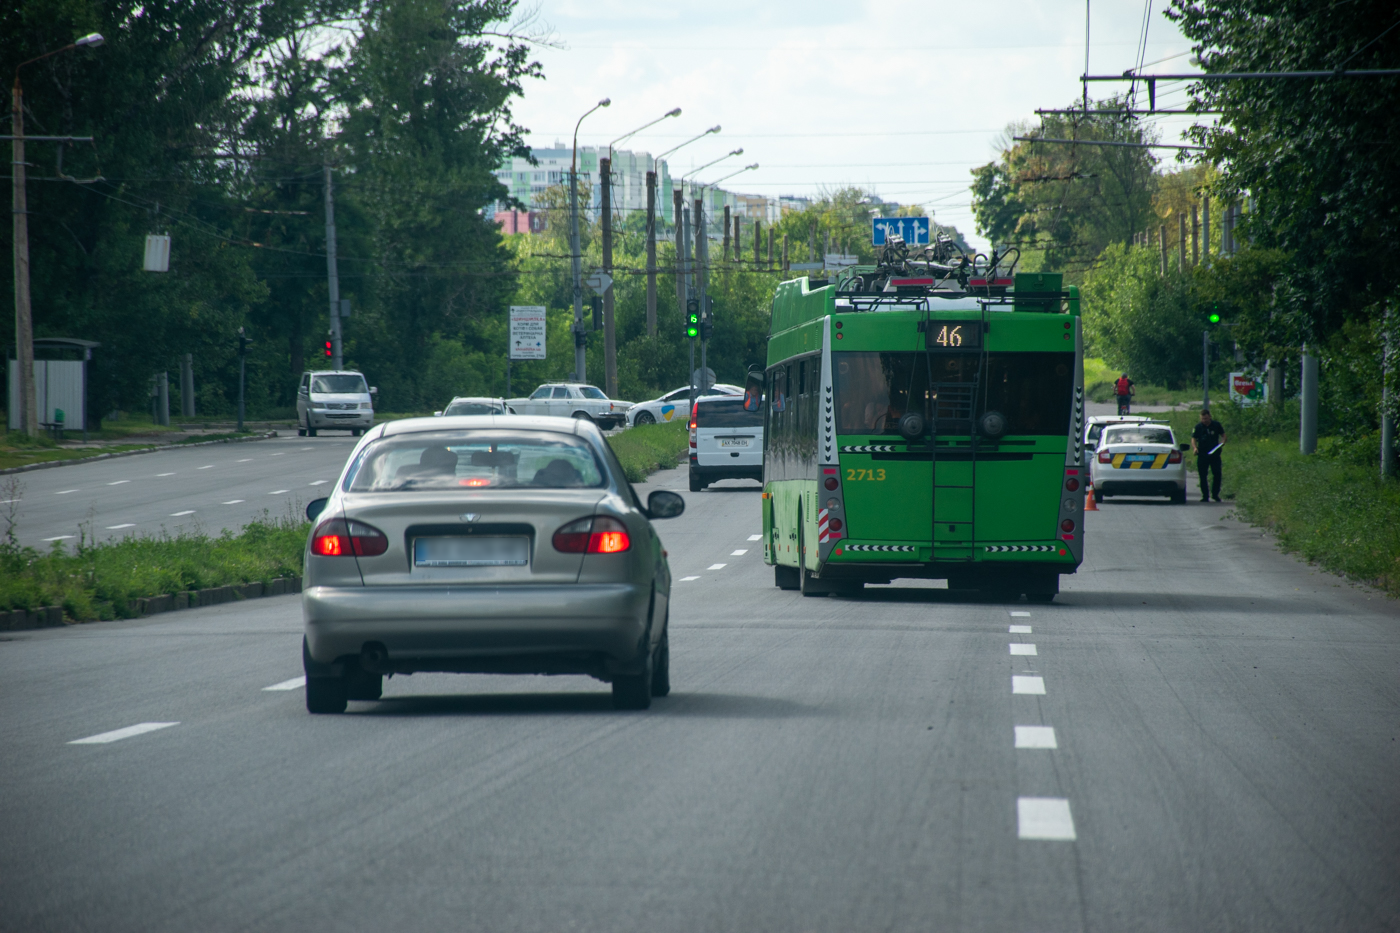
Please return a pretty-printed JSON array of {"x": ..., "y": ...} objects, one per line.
[{"x": 328, "y": 348}]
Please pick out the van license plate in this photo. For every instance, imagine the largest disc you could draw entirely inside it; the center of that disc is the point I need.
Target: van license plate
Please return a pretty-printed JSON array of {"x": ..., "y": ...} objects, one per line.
[
  {"x": 471, "y": 551},
  {"x": 733, "y": 442}
]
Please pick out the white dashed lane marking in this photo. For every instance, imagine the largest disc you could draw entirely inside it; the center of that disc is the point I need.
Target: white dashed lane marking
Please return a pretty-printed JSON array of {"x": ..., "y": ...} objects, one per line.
[
  {"x": 65, "y": 492},
  {"x": 1020, "y": 615},
  {"x": 1020, "y": 630},
  {"x": 119, "y": 482},
  {"x": 179, "y": 514},
  {"x": 739, "y": 553},
  {"x": 244, "y": 460},
  {"x": 207, "y": 466},
  {"x": 715, "y": 567},
  {"x": 165, "y": 474},
  {"x": 1044, "y": 818},
  {"x": 119, "y": 527},
  {"x": 1034, "y": 686},
  {"x": 1025, "y": 650},
  {"x": 688, "y": 579},
  {"x": 277, "y": 492},
  {"x": 59, "y": 538},
  {"x": 755, "y": 537},
  {"x": 233, "y": 502},
  {"x": 1035, "y": 737},
  {"x": 117, "y": 735},
  {"x": 295, "y": 683}
]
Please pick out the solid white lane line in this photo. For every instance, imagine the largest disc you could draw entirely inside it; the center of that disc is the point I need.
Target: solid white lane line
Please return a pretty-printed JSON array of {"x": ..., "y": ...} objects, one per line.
[
  {"x": 739, "y": 553},
  {"x": 165, "y": 474},
  {"x": 687, "y": 579},
  {"x": 117, "y": 735},
  {"x": 1020, "y": 615},
  {"x": 277, "y": 492},
  {"x": 296, "y": 683},
  {"x": 59, "y": 538},
  {"x": 1020, "y": 630},
  {"x": 233, "y": 501},
  {"x": 244, "y": 460},
  {"x": 715, "y": 567},
  {"x": 178, "y": 514},
  {"x": 1044, "y": 818},
  {"x": 119, "y": 482},
  {"x": 755, "y": 537},
  {"x": 1034, "y": 686},
  {"x": 1035, "y": 737},
  {"x": 65, "y": 492},
  {"x": 1022, "y": 649},
  {"x": 126, "y": 525}
]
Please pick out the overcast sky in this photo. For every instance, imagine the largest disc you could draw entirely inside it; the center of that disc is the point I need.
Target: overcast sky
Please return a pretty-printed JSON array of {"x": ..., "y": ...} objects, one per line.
[{"x": 900, "y": 97}]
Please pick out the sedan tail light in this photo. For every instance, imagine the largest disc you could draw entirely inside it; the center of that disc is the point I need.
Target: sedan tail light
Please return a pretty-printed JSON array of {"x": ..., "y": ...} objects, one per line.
[
  {"x": 1174, "y": 457},
  {"x": 595, "y": 535},
  {"x": 1105, "y": 456},
  {"x": 341, "y": 538}
]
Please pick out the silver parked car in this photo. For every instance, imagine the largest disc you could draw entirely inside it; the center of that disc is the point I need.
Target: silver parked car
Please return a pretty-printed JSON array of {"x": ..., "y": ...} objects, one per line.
[{"x": 485, "y": 544}]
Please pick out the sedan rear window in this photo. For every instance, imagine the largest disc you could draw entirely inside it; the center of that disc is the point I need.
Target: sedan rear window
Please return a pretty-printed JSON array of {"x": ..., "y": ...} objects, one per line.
[
  {"x": 442, "y": 460},
  {"x": 474, "y": 408},
  {"x": 1139, "y": 436},
  {"x": 592, "y": 392}
]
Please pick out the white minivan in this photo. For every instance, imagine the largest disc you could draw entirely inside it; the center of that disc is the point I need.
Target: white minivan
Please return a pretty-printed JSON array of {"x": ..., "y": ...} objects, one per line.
[
  {"x": 337, "y": 399},
  {"x": 726, "y": 440}
]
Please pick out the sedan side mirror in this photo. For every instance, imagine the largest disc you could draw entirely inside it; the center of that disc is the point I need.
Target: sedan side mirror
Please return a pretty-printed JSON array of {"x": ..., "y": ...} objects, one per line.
[
  {"x": 374, "y": 390},
  {"x": 437, "y": 414},
  {"x": 665, "y": 504},
  {"x": 316, "y": 506}
]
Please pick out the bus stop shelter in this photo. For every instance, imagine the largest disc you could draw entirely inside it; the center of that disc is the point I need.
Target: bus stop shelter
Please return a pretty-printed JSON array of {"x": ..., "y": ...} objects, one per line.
[{"x": 60, "y": 381}]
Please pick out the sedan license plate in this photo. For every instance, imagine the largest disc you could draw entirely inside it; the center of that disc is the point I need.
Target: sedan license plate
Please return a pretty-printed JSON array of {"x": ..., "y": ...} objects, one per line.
[
  {"x": 471, "y": 551},
  {"x": 733, "y": 442}
]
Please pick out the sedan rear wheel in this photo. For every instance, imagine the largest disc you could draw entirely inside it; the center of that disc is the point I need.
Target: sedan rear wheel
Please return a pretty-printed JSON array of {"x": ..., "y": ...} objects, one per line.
[
  {"x": 325, "y": 694},
  {"x": 361, "y": 684},
  {"x": 661, "y": 667},
  {"x": 633, "y": 691},
  {"x": 583, "y": 416},
  {"x": 646, "y": 417}
]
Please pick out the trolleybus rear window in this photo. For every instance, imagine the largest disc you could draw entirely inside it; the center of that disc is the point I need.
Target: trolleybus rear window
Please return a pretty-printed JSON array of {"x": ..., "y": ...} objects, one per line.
[{"x": 1032, "y": 390}]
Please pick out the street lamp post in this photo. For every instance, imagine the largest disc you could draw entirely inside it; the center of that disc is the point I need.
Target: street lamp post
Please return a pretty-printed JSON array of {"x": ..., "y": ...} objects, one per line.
[
  {"x": 580, "y": 334},
  {"x": 609, "y": 330},
  {"x": 24, "y": 320}
]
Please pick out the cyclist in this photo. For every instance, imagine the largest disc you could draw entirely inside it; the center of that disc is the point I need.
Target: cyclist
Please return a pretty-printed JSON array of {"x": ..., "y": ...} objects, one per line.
[{"x": 1124, "y": 390}]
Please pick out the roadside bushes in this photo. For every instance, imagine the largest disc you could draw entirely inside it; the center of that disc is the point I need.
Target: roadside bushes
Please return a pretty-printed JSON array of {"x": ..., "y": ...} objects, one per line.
[{"x": 649, "y": 447}]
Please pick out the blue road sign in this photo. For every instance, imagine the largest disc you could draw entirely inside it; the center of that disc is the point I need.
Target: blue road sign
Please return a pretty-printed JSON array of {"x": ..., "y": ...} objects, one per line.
[{"x": 913, "y": 229}]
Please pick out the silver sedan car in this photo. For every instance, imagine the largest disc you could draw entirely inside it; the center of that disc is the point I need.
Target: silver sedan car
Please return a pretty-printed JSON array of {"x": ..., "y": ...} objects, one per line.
[{"x": 485, "y": 544}]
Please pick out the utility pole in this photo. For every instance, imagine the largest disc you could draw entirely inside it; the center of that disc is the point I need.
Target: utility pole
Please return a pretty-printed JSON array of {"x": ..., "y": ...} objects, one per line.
[
  {"x": 651, "y": 254},
  {"x": 609, "y": 334},
  {"x": 738, "y": 247},
  {"x": 1387, "y": 415},
  {"x": 687, "y": 293},
  {"x": 757, "y": 238},
  {"x": 770, "y": 249},
  {"x": 1205, "y": 229},
  {"x": 724, "y": 252},
  {"x": 702, "y": 263},
  {"x": 242, "y": 373},
  {"x": 1163, "y": 240},
  {"x": 580, "y": 343},
  {"x": 1195, "y": 237},
  {"x": 1181, "y": 241},
  {"x": 1307, "y": 422},
  {"x": 677, "y": 210},
  {"x": 1205, "y": 369},
  {"x": 332, "y": 273}
]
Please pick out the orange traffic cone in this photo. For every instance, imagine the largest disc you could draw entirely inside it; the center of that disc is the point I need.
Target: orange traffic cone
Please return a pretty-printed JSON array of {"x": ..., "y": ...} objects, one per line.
[{"x": 1090, "y": 503}]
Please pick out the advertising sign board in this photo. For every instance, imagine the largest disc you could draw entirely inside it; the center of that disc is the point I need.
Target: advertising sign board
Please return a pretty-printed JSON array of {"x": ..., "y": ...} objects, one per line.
[
  {"x": 1248, "y": 389},
  {"x": 527, "y": 332}
]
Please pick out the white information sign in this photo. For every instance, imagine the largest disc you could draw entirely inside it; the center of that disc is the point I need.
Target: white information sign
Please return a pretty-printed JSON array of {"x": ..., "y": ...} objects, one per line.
[{"x": 527, "y": 332}]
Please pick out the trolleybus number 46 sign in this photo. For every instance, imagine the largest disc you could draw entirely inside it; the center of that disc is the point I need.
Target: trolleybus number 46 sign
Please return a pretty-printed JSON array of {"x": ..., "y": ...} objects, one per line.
[{"x": 953, "y": 336}]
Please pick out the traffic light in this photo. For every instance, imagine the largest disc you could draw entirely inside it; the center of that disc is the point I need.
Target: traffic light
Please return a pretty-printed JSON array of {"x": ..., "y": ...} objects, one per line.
[
  {"x": 692, "y": 318},
  {"x": 1214, "y": 316},
  {"x": 707, "y": 327},
  {"x": 328, "y": 348}
]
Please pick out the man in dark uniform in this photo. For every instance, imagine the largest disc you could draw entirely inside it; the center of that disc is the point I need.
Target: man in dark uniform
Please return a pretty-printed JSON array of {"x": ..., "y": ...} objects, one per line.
[{"x": 1206, "y": 440}]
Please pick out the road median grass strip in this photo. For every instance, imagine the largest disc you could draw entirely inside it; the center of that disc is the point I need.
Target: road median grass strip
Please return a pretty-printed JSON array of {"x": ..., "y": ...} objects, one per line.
[
  {"x": 1331, "y": 508},
  {"x": 650, "y": 447},
  {"x": 115, "y": 579}
]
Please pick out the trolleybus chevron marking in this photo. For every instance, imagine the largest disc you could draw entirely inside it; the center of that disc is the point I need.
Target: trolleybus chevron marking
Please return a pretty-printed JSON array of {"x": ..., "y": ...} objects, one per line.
[
  {"x": 869, "y": 449},
  {"x": 882, "y": 548},
  {"x": 1004, "y": 548}
]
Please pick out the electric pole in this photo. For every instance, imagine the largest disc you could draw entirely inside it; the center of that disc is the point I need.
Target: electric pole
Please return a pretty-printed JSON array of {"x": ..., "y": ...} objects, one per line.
[
  {"x": 702, "y": 266},
  {"x": 651, "y": 254},
  {"x": 24, "y": 321},
  {"x": 332, "y": 274},
  {"x": 609, "y": 333},
  {"x": 580, "y": 344},
  {"x": 676, "y": 212}
]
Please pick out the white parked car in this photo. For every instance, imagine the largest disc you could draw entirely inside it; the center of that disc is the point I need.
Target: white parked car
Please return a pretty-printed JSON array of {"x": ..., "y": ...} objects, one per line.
[
  {"x": 1140, "y": 459},
  {"x": 572, "y": 400},
  {"x": 473, "y": 405},
  {"x": 673, "y": 405},
  {"x": 1094, "y": 425},
  {"x": 726, "y": 440},
  {"x": 337, "y": 399}
]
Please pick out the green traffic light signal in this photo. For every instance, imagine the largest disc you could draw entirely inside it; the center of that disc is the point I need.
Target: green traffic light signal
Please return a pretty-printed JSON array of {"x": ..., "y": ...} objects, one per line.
[{"x": 1214, "y": 318}]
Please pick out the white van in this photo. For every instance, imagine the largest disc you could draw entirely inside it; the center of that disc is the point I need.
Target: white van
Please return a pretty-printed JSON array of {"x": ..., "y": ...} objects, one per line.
[
  {"x": 337, "y": 399},
  {"x": 726, "y": 440}
]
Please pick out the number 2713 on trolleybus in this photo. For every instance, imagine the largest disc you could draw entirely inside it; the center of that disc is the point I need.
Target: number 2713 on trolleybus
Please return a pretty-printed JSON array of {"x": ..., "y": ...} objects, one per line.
[{"x": 920, "y": 428}]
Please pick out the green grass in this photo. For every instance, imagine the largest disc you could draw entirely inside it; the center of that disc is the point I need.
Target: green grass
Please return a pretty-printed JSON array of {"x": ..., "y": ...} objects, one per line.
[
  {"x": 1330, "y": 508},
  {"x": 650, "y": 447},
  {"x": 103, "y": 581}
]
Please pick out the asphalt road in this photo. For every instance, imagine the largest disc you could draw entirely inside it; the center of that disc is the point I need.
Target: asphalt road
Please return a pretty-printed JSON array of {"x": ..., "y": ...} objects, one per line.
[
  {"x": 208, "y": 488},
  {"x": 1224, "y": 724}
]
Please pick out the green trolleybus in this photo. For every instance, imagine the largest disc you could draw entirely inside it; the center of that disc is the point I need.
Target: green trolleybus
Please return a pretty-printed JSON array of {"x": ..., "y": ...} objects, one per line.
[{"x": 924, "y": 420}]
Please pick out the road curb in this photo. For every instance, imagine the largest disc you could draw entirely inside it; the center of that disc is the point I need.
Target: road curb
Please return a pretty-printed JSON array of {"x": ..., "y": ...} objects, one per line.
[
  {"x": 50, "y": 464},
  {"x": 19, "y": 620}
]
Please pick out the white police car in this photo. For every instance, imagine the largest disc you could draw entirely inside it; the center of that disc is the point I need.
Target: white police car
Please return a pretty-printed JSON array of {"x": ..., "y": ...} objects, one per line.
[
  {"x": 1139, "y": 459},
  {"x": 674, "y": 405}
]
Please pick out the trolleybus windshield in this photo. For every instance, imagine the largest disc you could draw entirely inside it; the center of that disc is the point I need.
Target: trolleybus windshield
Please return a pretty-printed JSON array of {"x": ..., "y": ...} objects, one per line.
[{"x": 874, "y": 389}]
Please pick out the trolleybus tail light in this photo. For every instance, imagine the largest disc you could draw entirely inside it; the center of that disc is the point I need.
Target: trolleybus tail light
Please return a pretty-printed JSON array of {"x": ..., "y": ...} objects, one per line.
[
  {"x": 1072, "y": 484},
  {"x": 341, "y": 538},
  {"x": 834, "y": 524},
  {"x": 1105, "y": 456},
  {"x": 1067, "y": 525},
  {"x": 594, "y": 535},
  {"x": 1174, "y": 457},
  {"x": 830, "y": 483}
]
